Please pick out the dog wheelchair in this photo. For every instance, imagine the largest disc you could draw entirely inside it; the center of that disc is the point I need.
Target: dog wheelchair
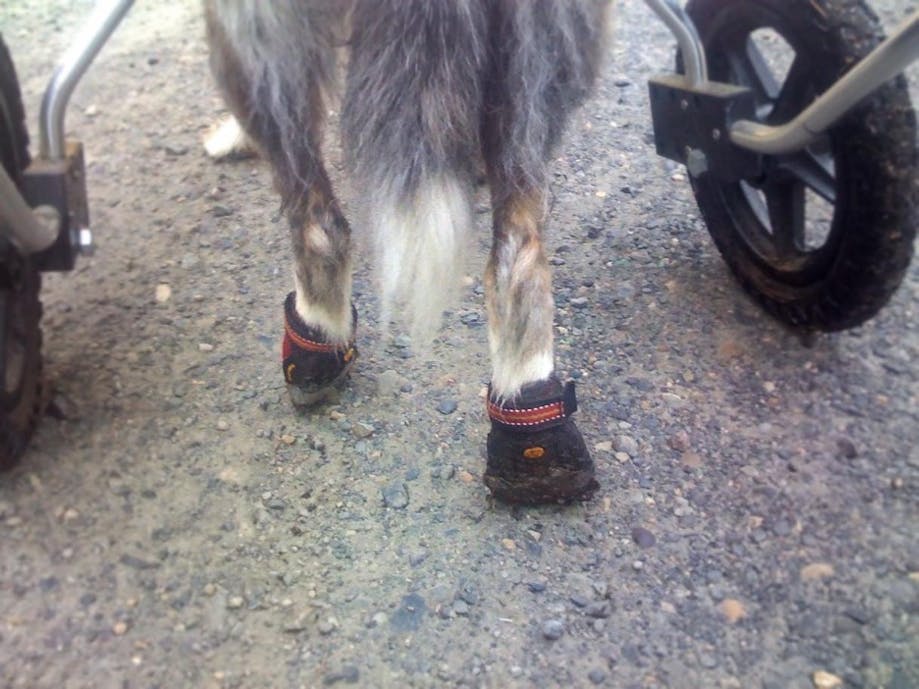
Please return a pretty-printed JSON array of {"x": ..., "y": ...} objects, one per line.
[{"x": 797, "y": 132}]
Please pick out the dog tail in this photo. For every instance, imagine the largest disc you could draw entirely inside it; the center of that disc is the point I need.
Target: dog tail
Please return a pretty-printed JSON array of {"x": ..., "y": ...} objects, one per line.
[{"x": 410, "y": 126}]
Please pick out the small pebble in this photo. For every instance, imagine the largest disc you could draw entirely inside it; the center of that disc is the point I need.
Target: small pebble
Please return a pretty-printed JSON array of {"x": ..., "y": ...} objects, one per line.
[
  {"x": 553, "y": 629},
  {"x": 826, "y": 680},
  {"x": 362, "y": 430},
  {"x": 446, "y": 406},
  {"x": 579, "y": 600},
  {"x": 598, "y": 610},
  {"x": 642, "y": 537},
  {"x": 235, "y": 602},
  {"x": 732, "y": 609},
  {"x": 627, "y": 444},
  {"x": 395, "y": 495},
  {"x": 388, "y": 382},
  {"x": 679, "y": 441},
  {"x": 816, "y": 570},
  {"x": 846, "y": 449},
  {"x": 596, "y": 676},
  {"x": 349, "y": 674}
]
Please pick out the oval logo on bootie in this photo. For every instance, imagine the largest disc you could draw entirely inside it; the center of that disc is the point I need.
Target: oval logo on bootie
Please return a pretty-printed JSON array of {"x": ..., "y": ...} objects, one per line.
[{"x": 534, "y": 452}]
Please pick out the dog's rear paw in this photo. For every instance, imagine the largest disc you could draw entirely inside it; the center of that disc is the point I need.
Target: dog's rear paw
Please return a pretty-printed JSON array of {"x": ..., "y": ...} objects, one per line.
[
  {"x": 227, "y": 140},
  {"x": 536, "y": 454}
]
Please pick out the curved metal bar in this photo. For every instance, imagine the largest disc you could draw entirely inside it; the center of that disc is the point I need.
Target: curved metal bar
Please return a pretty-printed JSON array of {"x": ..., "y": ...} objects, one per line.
[
  {"x": 18, "y": 222},
  {"x": 683, "y": 29},
  {"x": 103, "y": 21},
  {"x": 883, "y": 63}
]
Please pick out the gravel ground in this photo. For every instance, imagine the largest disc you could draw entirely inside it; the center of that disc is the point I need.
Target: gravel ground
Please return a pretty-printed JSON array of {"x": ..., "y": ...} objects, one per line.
[{"x": 181, "y": 526}]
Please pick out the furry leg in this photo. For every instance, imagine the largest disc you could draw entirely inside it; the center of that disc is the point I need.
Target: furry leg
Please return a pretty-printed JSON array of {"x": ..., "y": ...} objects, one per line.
[
  {"x": 226, "y": 139},
  {"x": 518, "y": 292}
]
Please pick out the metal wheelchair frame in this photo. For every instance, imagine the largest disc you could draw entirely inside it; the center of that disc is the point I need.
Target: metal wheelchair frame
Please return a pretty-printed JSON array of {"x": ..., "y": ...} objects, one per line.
[{"x": 55, "y": 181}]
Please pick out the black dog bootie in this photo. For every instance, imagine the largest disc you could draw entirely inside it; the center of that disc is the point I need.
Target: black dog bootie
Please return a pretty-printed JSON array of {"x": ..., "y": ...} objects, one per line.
[
  {"x": 536, "y": 453},
  {"x": 311, "y": 366}
]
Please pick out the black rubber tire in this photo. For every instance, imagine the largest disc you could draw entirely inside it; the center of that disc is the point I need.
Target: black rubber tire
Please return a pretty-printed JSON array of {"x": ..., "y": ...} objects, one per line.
[
  {"x": 20, "y": 308},
  {"x": 852, "y": 274}
]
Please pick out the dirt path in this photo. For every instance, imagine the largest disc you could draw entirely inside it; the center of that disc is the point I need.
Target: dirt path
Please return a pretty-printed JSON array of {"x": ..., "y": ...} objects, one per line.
[{"x": 183, "y": 527}]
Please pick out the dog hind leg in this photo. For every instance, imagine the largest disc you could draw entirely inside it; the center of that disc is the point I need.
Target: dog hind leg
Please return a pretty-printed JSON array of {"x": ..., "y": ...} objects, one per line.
[
  {"x": 544, "y": 57},
  {"x": 273, "y": 62}
]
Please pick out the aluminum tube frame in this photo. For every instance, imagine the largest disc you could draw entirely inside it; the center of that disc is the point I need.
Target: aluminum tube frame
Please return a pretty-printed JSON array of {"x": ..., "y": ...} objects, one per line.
[
  {"x": 890, "y": 58},
  {"x": 73, "y": 65},
  {"x": 883, "y": 63},
  {"x": 18, "y": 222},
  {"x": 683, "y": 29}
]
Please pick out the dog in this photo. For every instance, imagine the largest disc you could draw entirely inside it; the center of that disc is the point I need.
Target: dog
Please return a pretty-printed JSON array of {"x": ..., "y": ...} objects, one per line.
[{"x": 433, "y": 91}]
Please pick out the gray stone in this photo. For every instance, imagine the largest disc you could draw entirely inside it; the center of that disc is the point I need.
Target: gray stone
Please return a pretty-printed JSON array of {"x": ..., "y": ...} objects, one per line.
[
  {"x": 642, "y": 537},
  {"x": 596, "y": 676},
  {"x": 410, "y": 614},
  {"x": 599, "y": 609},
  {"x": 627, "y": 444},
  {"x": 362, "y": 430},
  {"x": 349, "y": 674},
  {"x": 446, "y": 406},
  {"x": 388, "y": 383},
  {"x": 395, "y": 495},
  {"x": 553, "y": 629}
]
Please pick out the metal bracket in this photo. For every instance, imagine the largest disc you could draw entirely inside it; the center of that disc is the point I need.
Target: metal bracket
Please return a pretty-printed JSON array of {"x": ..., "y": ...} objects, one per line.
[
  {"x": 60, "y": 184},
  {"x": 691, "y": 126}
]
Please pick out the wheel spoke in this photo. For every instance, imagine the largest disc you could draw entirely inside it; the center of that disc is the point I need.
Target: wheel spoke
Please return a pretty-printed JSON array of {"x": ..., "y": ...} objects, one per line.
[
  {"x": 754, "y": 74},
  {"x": 785, "y": 201},
  {"x": 813, "y": 171},
  {"x": 794, "y": 95},
  {"x": 764, "y": 80}
]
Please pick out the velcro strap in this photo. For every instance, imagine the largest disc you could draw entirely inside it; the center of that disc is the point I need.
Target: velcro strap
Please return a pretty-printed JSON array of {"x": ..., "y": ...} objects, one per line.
[
  {"x": 307, "y": 344},
  {"x": 534, "y": 414}
]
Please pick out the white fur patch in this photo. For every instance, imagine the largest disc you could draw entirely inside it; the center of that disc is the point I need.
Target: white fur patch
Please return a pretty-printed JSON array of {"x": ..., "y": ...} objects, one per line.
[
  {"x": 511, "y": 367},
  {"x": 420, "y": 247},
  {"x": 335, "y": 326},
  {"x": 317, "y": 241},
  {"x": 226, "y": 139},
  {"x": 509, "y": 375}
]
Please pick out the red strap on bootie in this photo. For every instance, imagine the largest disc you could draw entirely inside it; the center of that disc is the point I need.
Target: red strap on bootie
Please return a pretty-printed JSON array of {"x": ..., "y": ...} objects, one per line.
[
  {"x": 539, "y": 405},
  {"x": 306, "y": 359}
]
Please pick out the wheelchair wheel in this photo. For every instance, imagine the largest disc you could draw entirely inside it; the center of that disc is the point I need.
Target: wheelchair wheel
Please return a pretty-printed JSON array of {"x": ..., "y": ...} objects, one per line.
[
  {"x": 20, "y": 308},
  {"x": 823, "y": 237}
]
